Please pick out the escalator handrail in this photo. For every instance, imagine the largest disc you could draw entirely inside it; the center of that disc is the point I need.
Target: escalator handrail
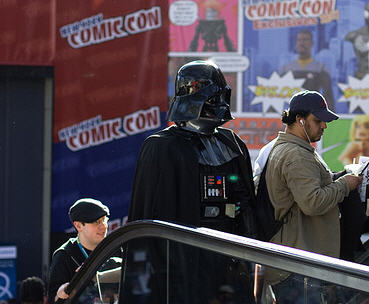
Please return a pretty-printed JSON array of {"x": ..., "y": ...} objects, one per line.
[{"x": 309, "y": 264}]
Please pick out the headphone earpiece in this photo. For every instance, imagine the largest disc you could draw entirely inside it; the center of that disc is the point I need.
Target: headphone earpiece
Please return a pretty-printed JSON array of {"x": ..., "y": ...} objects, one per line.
[{"x": 301, "y": 122}]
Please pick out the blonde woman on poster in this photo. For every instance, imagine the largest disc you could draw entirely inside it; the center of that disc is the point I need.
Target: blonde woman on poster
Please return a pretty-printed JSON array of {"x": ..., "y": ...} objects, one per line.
[{"x": 359, "y": 141}]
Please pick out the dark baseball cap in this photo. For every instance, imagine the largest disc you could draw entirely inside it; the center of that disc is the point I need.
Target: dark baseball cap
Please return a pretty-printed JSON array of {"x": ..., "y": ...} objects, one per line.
[
  {"x": 87, "y": 210},
  {"x": 314, "y": 102}
]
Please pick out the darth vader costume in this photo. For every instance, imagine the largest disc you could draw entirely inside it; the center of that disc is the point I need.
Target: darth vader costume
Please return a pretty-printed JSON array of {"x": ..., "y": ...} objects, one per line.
[{"x": 196, "y": 173}]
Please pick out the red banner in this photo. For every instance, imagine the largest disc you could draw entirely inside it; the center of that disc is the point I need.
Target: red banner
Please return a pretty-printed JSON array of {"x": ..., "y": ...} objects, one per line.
[
  {"x": 111, "y": 59},
  {"x": 27, "y": 32},
  {"x": 110, "y": 93}
]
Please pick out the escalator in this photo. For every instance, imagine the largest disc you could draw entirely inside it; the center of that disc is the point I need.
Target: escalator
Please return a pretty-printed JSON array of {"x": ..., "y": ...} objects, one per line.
[{"x": 168, "y": 263}]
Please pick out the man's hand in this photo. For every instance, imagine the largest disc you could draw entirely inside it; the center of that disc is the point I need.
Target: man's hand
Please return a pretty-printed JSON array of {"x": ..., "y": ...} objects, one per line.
[
  {"x": 353, "y": 180},
  {"x": 61, "y": 293}
]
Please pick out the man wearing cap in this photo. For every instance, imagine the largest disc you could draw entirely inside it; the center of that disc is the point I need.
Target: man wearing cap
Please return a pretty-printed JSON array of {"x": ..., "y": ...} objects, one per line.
[
  {"x": 89, "y": 217},
  {"x": 301, "y": 188}
]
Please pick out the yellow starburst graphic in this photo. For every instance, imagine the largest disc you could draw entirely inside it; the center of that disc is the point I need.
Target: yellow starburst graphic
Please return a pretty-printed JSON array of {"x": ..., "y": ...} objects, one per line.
[
  {"x": 274, "y": 92},
  {"x": 356, "y": 93}
]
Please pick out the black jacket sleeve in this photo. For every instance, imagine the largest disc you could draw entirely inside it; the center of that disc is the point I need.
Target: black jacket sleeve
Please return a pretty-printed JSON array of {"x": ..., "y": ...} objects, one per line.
[{"x": 61, "y": 271}]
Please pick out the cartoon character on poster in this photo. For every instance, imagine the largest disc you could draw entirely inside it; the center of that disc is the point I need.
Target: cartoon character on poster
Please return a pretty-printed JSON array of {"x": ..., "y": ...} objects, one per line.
[
  {"x": 359, "y": 141},
  {"x": 360, "y": 42},
  {"x": 211, "y": 28},
  {"x": 355, "y": 91},
  {"x": 316, "y": 75},
  {"x": 203, "y": 26}
]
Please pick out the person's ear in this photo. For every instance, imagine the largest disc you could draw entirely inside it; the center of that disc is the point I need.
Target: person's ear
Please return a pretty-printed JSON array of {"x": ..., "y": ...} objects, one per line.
[
  {"x": 78, "y": 225},
  {"x": 299, "y": 120}
]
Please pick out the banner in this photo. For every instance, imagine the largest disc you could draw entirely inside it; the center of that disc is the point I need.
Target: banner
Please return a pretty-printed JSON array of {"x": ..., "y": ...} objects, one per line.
[
  {"x": 322, "y": 45},
  {"x": 270, "y": 50},
  {"x": 110, "y": 94},
  {"x": 27, "y": 32}
]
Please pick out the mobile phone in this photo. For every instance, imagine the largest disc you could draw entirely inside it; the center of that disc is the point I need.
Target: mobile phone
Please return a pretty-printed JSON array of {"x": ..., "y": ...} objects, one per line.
[{"x": 362, "y": 171}]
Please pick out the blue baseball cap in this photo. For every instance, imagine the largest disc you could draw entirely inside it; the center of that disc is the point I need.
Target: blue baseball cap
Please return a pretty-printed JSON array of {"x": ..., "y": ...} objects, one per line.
[{"x": 314, "y": 102}]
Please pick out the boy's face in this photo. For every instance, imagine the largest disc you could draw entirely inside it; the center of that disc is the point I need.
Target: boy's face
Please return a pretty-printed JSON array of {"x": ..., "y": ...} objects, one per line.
[{"x": 91, "y": 234}]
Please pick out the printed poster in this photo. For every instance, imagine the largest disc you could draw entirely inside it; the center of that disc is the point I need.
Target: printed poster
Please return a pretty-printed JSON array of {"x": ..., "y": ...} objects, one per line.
[
  {"x": 110, "y": 94},
  {"x": 281, "y": 48}
]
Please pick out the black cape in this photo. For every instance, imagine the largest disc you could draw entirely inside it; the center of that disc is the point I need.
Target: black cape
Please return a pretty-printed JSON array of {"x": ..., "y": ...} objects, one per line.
[
  {"x": 166, "y": 183},
  {"x": 166, "y": 187}
]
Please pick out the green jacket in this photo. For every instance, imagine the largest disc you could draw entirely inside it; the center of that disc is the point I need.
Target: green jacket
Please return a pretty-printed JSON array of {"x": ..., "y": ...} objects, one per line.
[{"x": 300, "y": 185}]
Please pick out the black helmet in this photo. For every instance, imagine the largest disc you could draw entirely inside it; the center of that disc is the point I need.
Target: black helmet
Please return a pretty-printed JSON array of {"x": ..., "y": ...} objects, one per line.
[{"x": 202, "y": 97}]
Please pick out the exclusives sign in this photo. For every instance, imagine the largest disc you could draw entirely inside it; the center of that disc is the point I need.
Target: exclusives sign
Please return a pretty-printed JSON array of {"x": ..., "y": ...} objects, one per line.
[
  {"x": 95, "y": 131},
  {"x": 280, "y": 13},
  {"x": 96, "y": 29}
]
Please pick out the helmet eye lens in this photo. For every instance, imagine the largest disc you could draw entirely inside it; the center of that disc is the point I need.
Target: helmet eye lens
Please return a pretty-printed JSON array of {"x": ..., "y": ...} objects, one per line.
[{"x": 192, "y": 87}]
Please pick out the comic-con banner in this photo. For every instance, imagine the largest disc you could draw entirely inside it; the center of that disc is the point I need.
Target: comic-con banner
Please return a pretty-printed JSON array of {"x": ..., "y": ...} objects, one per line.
[
  {"x": 110, "y": 94},
  {"x": 320, "y": 45},
  {"x": 317, "y": 45},
  {"x": 269, "y": 50}
]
